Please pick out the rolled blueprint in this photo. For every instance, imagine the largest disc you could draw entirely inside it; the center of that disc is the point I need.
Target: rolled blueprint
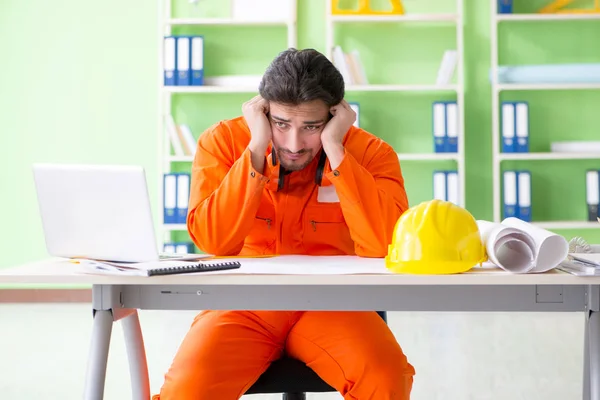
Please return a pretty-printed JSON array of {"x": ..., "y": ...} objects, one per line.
[
  {"x": 520, "y": 247},
  {"x": 551, "y": 249},
  {"x": 509, "y": 248}
]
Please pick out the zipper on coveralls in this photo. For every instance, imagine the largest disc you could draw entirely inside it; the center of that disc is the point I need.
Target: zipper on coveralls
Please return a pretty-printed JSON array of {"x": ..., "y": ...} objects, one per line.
[
  {"x": 268, "y": 221},
  {"x": 314, "y": 224}
]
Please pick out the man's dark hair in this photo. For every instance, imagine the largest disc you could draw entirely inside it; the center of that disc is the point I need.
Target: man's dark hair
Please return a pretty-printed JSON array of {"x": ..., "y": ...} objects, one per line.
[{"x": 298, "y": 76}]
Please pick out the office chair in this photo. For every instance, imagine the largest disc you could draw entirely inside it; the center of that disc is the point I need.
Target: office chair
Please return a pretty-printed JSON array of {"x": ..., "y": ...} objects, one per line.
[{"x": 292, "y": 378}]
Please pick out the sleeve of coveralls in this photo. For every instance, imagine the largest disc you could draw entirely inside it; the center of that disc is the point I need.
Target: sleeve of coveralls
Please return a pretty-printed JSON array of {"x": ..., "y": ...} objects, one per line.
[
  {"x": 224, "y": 196},
  {"x": 372, "y": 199}
]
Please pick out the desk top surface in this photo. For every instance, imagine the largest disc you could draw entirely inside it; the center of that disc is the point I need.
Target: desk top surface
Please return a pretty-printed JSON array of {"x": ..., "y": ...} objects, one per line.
[{"x": 313, "y": 271}]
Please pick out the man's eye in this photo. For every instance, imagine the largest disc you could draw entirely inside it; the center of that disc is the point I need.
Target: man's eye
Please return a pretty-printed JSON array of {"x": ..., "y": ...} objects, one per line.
[
  {"x": 280, "y": 124},
  {"x": 311, "y": 127}
]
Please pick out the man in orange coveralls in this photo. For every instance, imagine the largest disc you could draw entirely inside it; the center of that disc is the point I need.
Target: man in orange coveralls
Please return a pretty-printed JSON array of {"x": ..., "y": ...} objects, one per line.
[{"x": 292, "y": 176}]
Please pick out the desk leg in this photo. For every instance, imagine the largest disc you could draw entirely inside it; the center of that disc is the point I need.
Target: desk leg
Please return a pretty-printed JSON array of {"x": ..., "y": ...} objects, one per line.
[
  {"x": 586, "y": 360},
  {"x": 98, "y": 355},
  {"x": 592, "y": 369},
  {"x": 138, "y": 366}
]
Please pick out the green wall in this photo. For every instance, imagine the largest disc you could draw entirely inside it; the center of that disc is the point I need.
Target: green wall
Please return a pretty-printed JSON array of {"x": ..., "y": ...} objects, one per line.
[
  {"x": 77, "y": 84},
  {"x": 74, "y": 90}
]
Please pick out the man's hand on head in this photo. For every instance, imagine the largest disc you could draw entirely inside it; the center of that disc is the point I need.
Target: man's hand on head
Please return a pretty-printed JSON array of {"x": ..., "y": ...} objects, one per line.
[
  {"x": 335, "y": 130},
  {"x": 255, "y": 112}
]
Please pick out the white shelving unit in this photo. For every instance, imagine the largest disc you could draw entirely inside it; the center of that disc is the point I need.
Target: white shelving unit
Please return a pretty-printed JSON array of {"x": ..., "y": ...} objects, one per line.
[
  {"x": 402, "y": 88},
  {"x": 166, "y": 24},
  {"x": 542, "y": 17},
  {"x": 456, "y": 19},
  {"x": 497, "y": 156},
  {"x": 567, "y": 225}
]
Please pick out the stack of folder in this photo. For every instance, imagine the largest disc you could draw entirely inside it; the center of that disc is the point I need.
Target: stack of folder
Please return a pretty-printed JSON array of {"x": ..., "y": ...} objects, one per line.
[
  {"x": 179, "y": 247},
  {"x": 517, "y": 195},
  {"x": 183, "y": 63},
  {"x": 515, "y": 127},
  {"x": 582, "y": 264},
  {"x": 445, "y": 126},
  {"x": 176, "y": 192},
  {"x": 592, "y": 183},
  {"x": 505, "y": 6},
  {"x": 446, "y": 187}
]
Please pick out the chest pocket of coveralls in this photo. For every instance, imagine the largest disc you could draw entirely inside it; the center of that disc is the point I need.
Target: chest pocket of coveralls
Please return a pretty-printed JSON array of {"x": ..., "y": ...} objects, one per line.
[
  {"x": 325, "y": 231},
  {"x": 262, "y": 236}
]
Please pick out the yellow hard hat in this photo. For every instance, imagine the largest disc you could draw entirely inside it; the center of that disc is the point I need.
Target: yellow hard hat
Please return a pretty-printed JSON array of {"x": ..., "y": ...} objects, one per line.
[{"x": 435, "y": 237}]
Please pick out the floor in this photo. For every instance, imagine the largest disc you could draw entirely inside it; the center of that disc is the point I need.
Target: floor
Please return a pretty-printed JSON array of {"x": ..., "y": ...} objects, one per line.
[{"x": 458, "y": 356}]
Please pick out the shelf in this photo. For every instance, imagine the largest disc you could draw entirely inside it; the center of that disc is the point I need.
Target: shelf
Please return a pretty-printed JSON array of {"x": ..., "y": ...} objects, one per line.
[
  {"x": 547, "y": 17},
  {"x": 349, "y": 88},
  {"x": 226, "y": 21},
  {"x": 568, "y": 225},
  {"x": 547, "y": 86},
  {"x": 401, "y": 88},
  {"x": 210, "y": 89},
  {"x": 180, "y": 158},
  {"x": 548, "y": 156},
  {"x": 396, "y": 18},
  {"x": 428, "y": 156},
  {"x": 401, "y": 156},
  {"x": 175, "y": 227}
]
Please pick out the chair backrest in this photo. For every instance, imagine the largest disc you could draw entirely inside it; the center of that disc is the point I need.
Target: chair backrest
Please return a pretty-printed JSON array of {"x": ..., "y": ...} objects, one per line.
[{"x": 383, "y": 315}]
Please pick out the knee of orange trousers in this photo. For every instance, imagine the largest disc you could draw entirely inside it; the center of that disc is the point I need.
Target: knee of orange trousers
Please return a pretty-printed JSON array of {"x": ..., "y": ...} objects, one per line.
[
  {"x": 382, "y": 379},
  {"x": 223, "y": 354},
  {"x": 356, "y": 353}
]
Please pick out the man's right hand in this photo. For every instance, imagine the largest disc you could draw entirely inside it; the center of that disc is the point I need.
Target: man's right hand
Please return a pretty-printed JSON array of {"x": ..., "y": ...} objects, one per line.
[{"x": 255, "y": 112}]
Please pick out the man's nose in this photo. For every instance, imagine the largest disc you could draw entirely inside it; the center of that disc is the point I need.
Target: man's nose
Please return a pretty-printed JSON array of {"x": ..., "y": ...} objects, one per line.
[{"x": 294, "y": 143}]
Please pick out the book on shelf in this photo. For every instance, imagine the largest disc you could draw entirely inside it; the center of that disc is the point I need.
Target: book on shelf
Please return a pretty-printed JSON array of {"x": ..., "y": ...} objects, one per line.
[
  {"x": 181, "y": 138},
  {"x": 447, "y": 67},
  {"x": 350, "y": 66}
]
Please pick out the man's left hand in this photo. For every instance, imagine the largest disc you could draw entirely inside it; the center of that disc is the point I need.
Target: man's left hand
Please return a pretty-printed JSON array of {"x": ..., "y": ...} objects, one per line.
[{"x": 343, "y": 118}]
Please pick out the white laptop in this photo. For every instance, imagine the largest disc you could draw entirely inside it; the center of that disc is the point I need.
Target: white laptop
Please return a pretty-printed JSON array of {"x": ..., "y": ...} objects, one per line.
[{"x": 99, "y": 212}]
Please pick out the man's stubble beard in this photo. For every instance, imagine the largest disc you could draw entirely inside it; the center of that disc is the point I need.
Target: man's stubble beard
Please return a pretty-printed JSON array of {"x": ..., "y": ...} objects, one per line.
[{"x": 294, "y": 166}]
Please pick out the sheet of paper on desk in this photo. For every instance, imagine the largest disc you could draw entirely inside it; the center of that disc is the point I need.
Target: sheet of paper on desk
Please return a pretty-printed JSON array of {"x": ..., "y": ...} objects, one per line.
[
  {"x": 280, "y": 265},
  {"x": 308, "y": 265},
  {"x": 520, "y": 247},
  {"x": 588, "y": 258},
  {"x": 132, "y": 269}
]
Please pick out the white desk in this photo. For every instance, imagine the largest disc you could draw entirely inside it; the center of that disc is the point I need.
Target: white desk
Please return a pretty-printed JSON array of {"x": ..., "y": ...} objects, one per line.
[{"x": 119, "y": 298}]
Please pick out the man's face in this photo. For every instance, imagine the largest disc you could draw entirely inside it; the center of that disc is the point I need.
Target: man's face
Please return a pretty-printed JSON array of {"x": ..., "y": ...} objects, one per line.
[{"x": 297, "y": 132}]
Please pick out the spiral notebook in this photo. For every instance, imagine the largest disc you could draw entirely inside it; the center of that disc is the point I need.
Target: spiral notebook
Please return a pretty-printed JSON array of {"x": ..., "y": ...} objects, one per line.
[{"x": 155, "y": 268}]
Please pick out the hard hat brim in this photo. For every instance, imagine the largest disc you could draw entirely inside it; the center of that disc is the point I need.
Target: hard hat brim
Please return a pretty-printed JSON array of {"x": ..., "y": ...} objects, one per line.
[{"x": 429, "y": 268}]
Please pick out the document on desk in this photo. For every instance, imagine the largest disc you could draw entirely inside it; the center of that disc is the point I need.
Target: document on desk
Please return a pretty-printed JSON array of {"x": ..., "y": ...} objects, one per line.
[
  {"x": 278, "y": 265},
  {"x": 308, "y": 265},
  {"x": 520, "y": 247}
]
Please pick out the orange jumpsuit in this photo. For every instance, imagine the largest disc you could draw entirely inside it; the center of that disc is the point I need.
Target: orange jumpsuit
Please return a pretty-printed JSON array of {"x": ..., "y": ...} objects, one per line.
[{"x": 234, "y": 209}]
